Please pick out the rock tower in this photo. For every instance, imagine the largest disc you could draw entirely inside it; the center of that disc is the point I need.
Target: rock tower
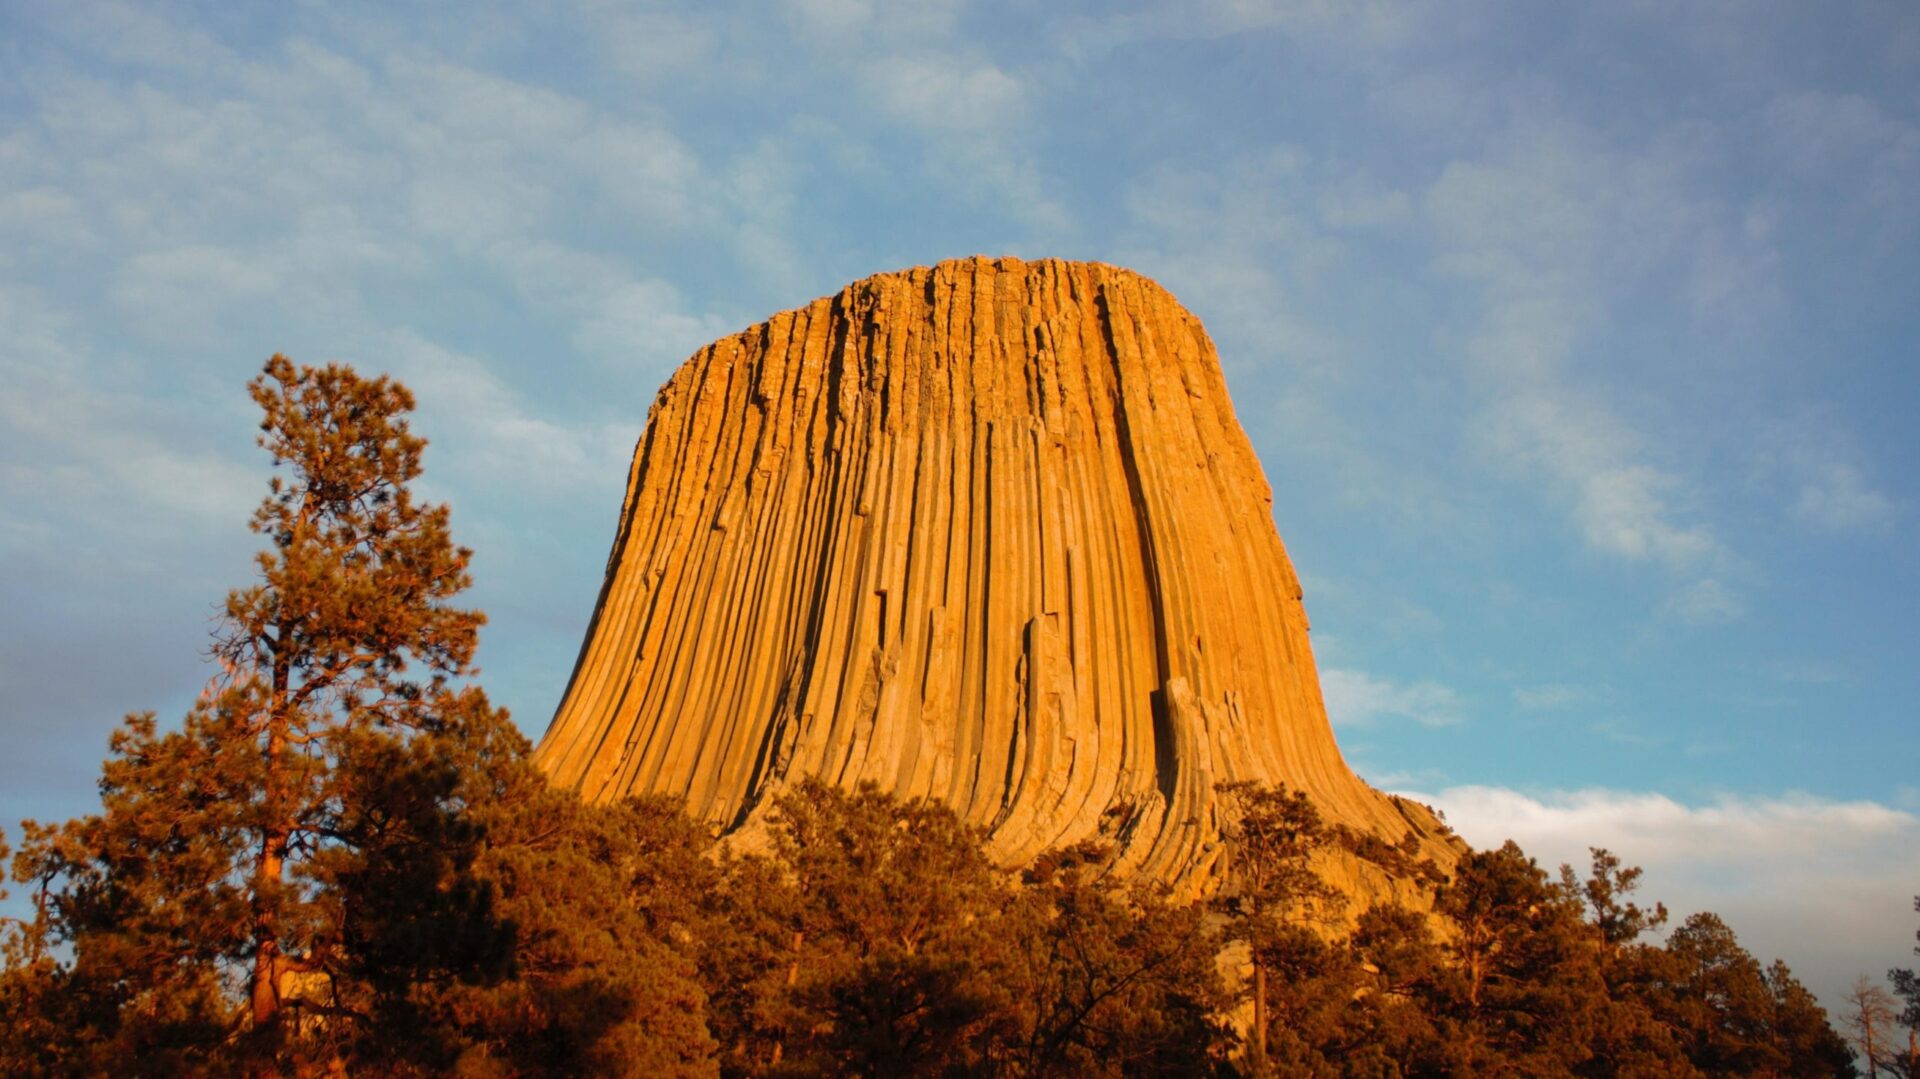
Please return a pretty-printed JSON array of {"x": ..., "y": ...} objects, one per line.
[{"x": 987, "y": 532}]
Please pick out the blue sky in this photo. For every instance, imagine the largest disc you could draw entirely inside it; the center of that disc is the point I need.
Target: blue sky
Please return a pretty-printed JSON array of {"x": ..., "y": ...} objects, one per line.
[{"x": 1579, "y": 347}]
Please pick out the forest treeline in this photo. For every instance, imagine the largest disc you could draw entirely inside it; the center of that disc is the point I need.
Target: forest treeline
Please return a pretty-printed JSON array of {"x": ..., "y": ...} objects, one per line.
[{"x": 343, "y": 862}]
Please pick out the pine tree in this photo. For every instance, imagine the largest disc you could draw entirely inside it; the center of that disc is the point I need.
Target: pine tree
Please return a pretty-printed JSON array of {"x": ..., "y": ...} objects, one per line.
[
  {"x": 355, "y": 585},
  {"x": 1531, "y": 988},
  {"x": 1630, "y": 1041},
  {"x": 204, "y": 905},
  {"x": 863, "y": 939},
  {"x": 1402, "y": 1020},
  {"x": 1800, "y": 1032},
  {"x": 1271, "y": 837},
  {"x": 601, "y": 901},
  {"x": 1101, "y": 979},
  {"x": 1739, "y": 1018}
]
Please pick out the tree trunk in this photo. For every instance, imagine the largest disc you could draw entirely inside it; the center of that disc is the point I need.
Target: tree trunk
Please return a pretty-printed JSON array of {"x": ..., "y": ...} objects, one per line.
[
  {"x": 266, "y": 878},
  {"x": 793, "y": 979},
  {"x": 1260, "y": 1013},
  {"x": 273, "y": 854}
]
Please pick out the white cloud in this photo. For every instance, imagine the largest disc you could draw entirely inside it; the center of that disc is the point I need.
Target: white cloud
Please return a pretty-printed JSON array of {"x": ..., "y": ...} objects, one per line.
[
  {"x": 761, "y": 185},
  {"x": 1360, "y": 202},
  {"x": 616, "y": 318},
  {"x": 83, "y": 449},
  {"x": 946, "y": 93},
  {"x": 836, "y": 22},
  {"x": 489, "y": 158},
  {"x": 290, "y": 201},
  {"x": 650, "y": 45},
  {"x": 972, "y": 117},
  {"x": 46, "y": 215},
  {"x": 1827, "y": 885},
  {"x": 181, "y": 294},
  {"x": 1811, "y": 672},
  {"x": 1241, "y": 235},
  {"x": 1622, "y": 734},
  {"x": 491, "y": 437},
  {"x": 647, "y": 321},
  {"x": 1620, "y": 505},
  {"x": 1551, "y": 697},
  {"x": 131, "y": 32},
  {"x": 1838, "y": 499},
  {"x": 1706, "y": 602},
  {"x": 910, "y": 71},
  {"x": 1849, "y": 142},
  {"x": 1623, "y": 511},
  {"x": 831, "y": 16},
  {"x": 1734, "y": 284},
  {"x": 1731, "y": 837},
  {"x": 1262, "y": 245},
  {"x": 1358, "y": 699},
  {"x": 305, "y": 187},
  {"x": 1814, "y": 464},
  {"x": 1558, "y": 228},
  {"x": 1366, "y": 23}
]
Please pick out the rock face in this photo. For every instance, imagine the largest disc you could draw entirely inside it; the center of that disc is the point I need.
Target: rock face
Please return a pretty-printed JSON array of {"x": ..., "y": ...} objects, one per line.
[{"x": 987, "y": 532}]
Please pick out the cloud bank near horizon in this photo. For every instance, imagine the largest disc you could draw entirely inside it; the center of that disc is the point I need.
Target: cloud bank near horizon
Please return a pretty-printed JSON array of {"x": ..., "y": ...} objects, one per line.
[{"x": 1828, "y": 885}]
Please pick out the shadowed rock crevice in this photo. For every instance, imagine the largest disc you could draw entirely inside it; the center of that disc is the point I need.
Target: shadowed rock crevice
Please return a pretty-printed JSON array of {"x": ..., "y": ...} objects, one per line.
[{"x": 986, "y": 532}]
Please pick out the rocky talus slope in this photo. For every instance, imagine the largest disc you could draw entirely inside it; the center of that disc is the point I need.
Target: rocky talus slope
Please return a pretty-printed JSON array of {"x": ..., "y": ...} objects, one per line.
[{"x": 987, "y": 532}]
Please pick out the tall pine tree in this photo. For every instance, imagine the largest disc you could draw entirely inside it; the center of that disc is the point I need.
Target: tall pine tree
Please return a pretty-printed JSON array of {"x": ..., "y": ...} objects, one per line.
[
  {"x": 206, "y": 914},
  {"x": 1271, "y": 837}
]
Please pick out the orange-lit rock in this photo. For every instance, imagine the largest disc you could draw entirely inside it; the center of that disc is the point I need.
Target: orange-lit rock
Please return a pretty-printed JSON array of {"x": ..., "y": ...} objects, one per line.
[{"x": 987, "y": 532}]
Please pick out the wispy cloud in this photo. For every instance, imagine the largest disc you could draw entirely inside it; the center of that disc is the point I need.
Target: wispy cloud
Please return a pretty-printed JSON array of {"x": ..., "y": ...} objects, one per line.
[
  {"x": 1839, "y": 499},
  {"x": 649, "y": 44},
  {"x": 136, "y": 34},
  {"x": 1242, "y": 234},
  {"x": 970, "y": 115},
  {"x": 907, "y": 72},
  {"x": 1620, "y": 733},
  {"x": 1810, "y": 672},
  {"x": 1736, "y": 834},
  {"x": 1357, "y": 699},
  {"x": 1552, "y": 697},
  {"x": 1556, "y": 228},
  {"x": 1814, "y": 465},
  {"x": 1705, "y": 602},
  {"x": 1851, "y": 144},
  {"x": 1360, "y": 201},
  {"x": 492, "y": 436},
  {"x": 941, "y": 92},
  {"x": 1368, "y": 23},
  {"x": 84, "y": 446},
  {"x": 1622, "y": 506},
  {"x": 642, "y": 324},
  {"x": 1773, "y": 866},
  {"x": 874, "y": 20}
]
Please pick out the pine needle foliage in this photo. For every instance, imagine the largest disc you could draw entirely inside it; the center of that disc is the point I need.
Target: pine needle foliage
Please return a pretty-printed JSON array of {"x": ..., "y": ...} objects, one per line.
[{"x": 206, "y": 916}]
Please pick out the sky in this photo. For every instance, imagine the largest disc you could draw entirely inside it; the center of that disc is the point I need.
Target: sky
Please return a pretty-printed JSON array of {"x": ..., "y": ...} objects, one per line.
[{"x": 1577, "y": 341}]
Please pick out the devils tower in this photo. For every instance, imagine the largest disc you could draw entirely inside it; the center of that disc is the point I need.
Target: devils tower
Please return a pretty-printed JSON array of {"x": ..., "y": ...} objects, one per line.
[{"x": 987, "y": 532}]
